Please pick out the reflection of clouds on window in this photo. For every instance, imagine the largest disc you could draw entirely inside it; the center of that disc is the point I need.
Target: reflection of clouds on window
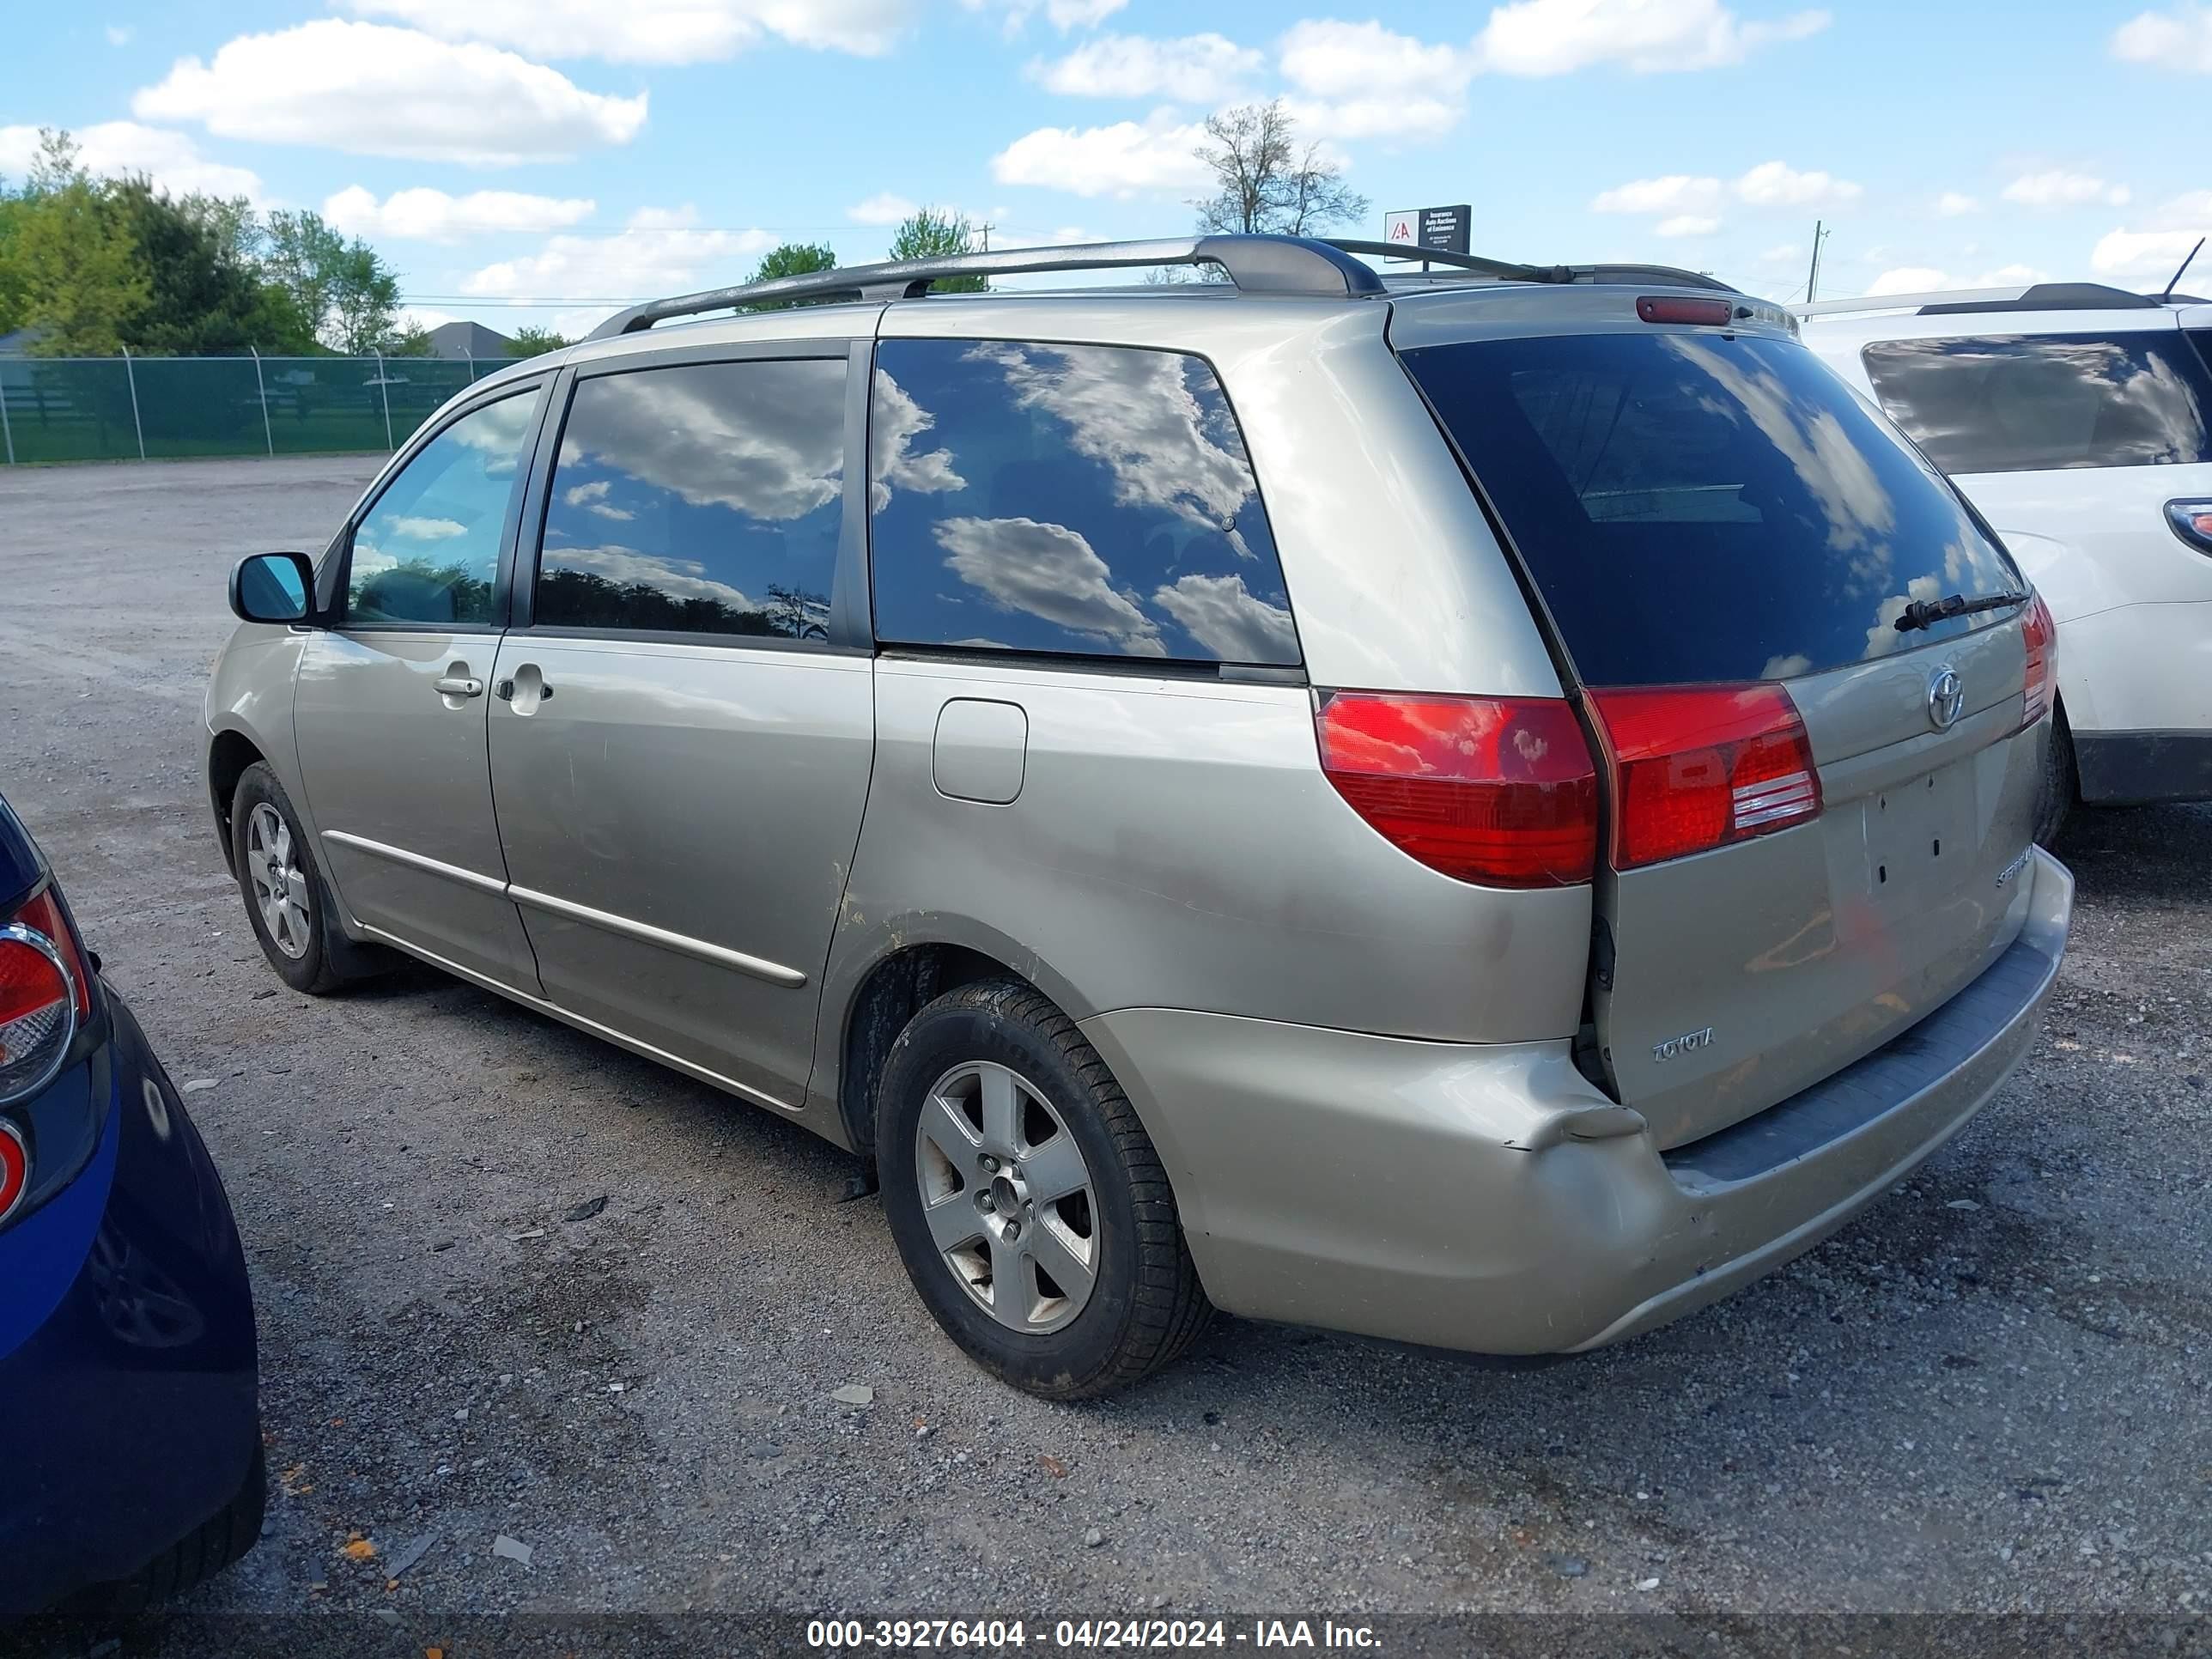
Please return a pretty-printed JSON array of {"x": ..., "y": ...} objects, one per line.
[
  {"x": 743, "y": 441},
  {"x": 1786, "y": 668},
  {"x": 893, "y": 425},
  {"x": 499, "y": 431},
  {"x": 1049, "y": 572},
  {"x": 1883, "y": 638},
  {"x": 683, "y": 579},
  {"x": 1859, "y": 508},
  {"x": 1233, "y": 623},
  {"x": 1136, "y": 412},
  {"x": 428, "y": 530},
  {"x": 579, "y": 495}
]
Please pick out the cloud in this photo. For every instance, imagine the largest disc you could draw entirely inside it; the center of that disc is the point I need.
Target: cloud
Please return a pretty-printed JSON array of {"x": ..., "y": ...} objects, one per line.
[
  {"x": 1556, "y": 37},
  {"x": 654, "y": 30},
  {"x": 431, "y": 215},
  {"x": 2060, "y": 188},
  {"x": 119, "y": 34},
  {"x": 1062, "y": 15},
  {"x": 374, "y": 90},
  {"x": 1952, "y": 204},
  {"x": 1689, "y": 201},
  {"x": 1156, "y": 156},
  {"x": 1930, "y": 279},
  {"x": 1199, "y": 69},
  {"x": 1050, "y": 572},
  {"x": 1235, "y": 625},
  {"x": 1134, "y": 413},
  {"x": 754, "y": 440},
  {"x": 2180, "y": 39},
  {"x": 171, "y": 160},
  {"x": 1327, "y": 58},
  {"x": 683, "y": 579},
  {"x": 661, "y": 251},
  {"x": 894, "y": 421},
  {"x": 1772, "y": 184},
  {"x": 2152, "y": 253},
  {"x": 881, "y": 209},
  {"x": 1677, "y": 193}
]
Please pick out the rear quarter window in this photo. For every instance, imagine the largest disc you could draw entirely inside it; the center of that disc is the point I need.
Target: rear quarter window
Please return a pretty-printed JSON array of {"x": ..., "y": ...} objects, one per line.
[
  {"x": 1070, "y": 499},
  {"x": 2045, "y": 403},
  {"x": 1705, "y": 508}
]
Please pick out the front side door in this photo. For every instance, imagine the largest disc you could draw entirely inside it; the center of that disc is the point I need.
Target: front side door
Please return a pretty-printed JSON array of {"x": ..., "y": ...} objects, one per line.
[
  {"x": 682, "y": 721},
  {"x": 389, "y": 712}
]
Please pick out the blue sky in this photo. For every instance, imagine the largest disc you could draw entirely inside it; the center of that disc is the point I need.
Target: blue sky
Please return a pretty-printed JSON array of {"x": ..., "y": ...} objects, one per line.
[{"x": 573, "y": 154}]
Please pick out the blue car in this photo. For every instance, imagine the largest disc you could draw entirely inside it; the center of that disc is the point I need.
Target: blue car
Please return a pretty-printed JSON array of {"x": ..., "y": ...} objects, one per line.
[{"x": 131, "y": 1462}]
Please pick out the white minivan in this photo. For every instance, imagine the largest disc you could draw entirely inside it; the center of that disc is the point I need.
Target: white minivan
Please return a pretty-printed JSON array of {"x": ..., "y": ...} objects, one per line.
[{"x": 2078, "y": 419}]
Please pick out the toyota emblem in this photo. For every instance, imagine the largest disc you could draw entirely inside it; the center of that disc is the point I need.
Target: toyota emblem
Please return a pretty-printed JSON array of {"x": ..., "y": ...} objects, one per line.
[{"x": 1947, "y": 699}]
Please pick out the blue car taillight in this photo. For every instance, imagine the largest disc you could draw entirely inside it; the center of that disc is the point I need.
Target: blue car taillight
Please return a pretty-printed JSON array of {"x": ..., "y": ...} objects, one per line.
[{"x": 44, "y": 993}]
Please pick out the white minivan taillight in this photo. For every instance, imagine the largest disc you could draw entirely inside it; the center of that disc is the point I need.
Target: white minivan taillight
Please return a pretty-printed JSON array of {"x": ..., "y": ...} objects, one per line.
[
  {"x": 1696, "y": 767},
  {"x": 2039, "y": 634},
  {"x": 1498, "y": 791}
]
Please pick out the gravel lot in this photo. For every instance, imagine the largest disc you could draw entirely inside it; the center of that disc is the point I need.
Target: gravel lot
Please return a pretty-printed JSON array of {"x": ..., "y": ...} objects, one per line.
[{"x": 1988, "y": 1395}]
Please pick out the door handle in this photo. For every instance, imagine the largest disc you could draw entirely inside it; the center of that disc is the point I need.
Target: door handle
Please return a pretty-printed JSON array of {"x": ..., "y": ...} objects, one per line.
[
  {"x": 505, "y": 691},
  {"x": 455, "y": 686}
]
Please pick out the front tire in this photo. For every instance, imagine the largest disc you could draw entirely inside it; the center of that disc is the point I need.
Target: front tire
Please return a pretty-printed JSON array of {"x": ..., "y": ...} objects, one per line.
[
  {"x": 1031, "y": 1208},
  {"x": 285, "y": 898}
]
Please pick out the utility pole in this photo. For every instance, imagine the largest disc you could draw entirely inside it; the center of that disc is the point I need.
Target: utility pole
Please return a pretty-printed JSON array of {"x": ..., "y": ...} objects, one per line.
[
  {"x": 1813, "y": 276},
  {"x": 984, "y": 231}
]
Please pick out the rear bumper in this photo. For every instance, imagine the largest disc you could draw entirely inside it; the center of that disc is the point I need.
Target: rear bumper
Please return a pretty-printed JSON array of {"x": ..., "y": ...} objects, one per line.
[
  {"x": 1490, "y": 1198},
  {"x": 128, "y": 1387}
]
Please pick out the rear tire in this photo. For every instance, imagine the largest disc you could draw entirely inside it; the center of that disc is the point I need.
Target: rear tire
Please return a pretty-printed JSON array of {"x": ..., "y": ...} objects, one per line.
[
  {"x": 192, "y": 1560},
  {"x": 2062, "y": 783},
  {"x": 1008, "y": 1155},
  {"x": 286, "y": 899}
]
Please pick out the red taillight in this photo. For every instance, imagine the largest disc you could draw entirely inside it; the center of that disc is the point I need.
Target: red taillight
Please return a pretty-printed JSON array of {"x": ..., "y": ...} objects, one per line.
[
  {"x": 15, "y": 1168},
  {"x": 1496, "y": 790},
  {"x": 1696, "y": 767},
  {"x": 1668, "y": 308},
  {"x": 2038, "y": 633},
  {"x": 44, "y": 993}
]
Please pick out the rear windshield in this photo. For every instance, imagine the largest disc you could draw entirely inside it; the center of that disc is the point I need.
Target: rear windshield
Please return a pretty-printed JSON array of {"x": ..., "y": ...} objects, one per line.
[
  {"x": 2045, "y": 401},
  {"x": 1701, "y": 508}
]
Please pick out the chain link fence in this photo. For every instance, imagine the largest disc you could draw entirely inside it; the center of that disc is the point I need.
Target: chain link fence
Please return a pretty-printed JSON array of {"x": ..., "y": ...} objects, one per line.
[{"x": 129, "y": 408}]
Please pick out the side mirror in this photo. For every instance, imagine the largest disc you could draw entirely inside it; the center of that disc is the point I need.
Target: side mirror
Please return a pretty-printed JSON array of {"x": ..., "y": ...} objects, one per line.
[{"x": 272, "y": 587}]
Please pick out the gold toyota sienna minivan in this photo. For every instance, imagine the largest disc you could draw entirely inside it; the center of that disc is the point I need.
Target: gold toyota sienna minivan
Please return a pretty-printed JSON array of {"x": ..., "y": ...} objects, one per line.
[{"x": 1486, "y": 810}]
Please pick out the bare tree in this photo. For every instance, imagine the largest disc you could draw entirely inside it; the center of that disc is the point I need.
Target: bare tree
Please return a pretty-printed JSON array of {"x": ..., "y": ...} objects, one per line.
[{"x": 1265, "y": 181}]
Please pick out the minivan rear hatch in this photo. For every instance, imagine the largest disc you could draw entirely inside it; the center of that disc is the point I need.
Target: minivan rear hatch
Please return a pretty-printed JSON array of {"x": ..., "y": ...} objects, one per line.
[{"x": 1814, "y": 816}]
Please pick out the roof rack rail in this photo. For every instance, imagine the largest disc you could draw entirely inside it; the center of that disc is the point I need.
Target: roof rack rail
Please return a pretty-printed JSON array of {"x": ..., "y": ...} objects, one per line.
[
  {"x": 2033, "y": 296},
  {"x": 1505, "y": 271},
  {"x": 1282, "y": 265}
]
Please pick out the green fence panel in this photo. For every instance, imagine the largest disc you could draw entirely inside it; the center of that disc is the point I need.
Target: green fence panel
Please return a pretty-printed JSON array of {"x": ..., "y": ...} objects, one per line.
[
  {"x": 68, "y": 408},
  {"x": 417, "y": 386},
  {"x": 200, "y": 406},
  {"x": 105, "y": 409},
  {"x": 319, "y": 405}
]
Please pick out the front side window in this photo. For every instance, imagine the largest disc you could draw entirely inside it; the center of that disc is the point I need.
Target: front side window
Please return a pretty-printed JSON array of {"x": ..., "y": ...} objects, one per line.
[
  {"x": 2036, "y": 402},
  {"x": 1086, "y": 501},
  {"x": 702, "y": 499},
  {"x": 427, "y": 554}
]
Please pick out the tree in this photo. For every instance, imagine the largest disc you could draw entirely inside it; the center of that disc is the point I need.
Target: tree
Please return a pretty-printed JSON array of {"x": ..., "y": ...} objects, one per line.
[
  {"x": 536, "y": 342},
  {"x": 73, "y": 271},
  {"x": 791, "y": 259},
  {"x": 1265, "y": 183},
  {"x": 344, "y": 288},
  {"x": 929, "y": 234},
  {"x": 205, "y": 296}
]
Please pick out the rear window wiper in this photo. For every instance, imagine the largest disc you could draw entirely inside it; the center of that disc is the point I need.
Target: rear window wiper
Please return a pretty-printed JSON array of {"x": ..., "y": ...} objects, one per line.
[{"x": 1926, "y": 613}]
